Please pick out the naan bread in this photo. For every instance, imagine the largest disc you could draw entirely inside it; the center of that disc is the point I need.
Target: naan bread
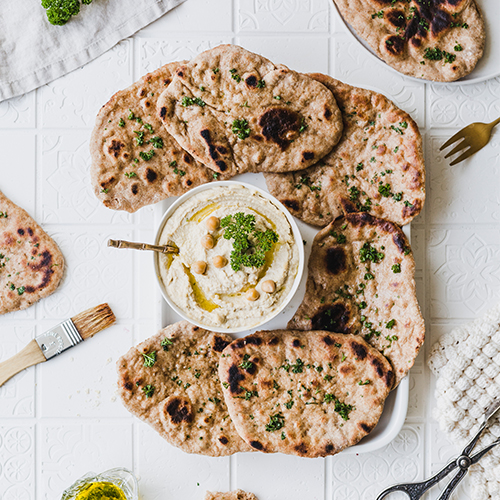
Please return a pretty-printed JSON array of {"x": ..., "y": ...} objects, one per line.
[
  {"x": 185, "y": 404},
  {"x": 361, "y": 281},
  {"x": 122, "y": 179},
  {"x": 378, "y": 165},
  {"x": 231, "y": 495},
  {"x": 237, "y": 112},
  {"x": 310, "y": 394},
  {"x": 31, "y": 264},
  {"x": 440, "y": 40}
]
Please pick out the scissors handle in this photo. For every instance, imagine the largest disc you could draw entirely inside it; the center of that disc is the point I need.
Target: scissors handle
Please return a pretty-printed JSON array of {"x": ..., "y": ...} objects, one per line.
[
  {"x": 453, "y": 484},
  {"x": 414, "y": 491}
]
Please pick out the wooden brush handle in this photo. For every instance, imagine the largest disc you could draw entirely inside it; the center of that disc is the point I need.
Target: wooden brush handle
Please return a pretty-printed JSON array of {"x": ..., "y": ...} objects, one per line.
[
  {"x": 142, "y": 246},
  {"x": 29, "y": 356}
]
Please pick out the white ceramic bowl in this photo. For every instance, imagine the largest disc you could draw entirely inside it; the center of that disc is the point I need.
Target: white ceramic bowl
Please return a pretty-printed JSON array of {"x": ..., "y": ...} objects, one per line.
[{"x": 296, "y": 234}]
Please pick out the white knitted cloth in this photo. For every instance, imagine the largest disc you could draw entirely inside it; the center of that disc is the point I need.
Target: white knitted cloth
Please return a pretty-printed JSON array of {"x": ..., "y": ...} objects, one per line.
[{"x": 466, "y": 363}]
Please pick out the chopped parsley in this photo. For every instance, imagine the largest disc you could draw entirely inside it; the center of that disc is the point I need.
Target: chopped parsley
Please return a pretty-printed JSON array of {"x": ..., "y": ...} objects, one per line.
[
  {"x": 241, "y": 128},
  {"x": 276, "y": 422},
  {"x": 367, "y": 252},
  {"x": 379, "y": 14},
  {"x": 148, "y": 127},
  {"x": 342, "y": 409},
  {"x": 139, "y": 138},
  {"x": 121, "y": 122},
  {"x": 165, "y": 343},
  {"x": 390, "y": 324},
  {"x": 396, "y": 268},
  {"x": 156, "y": 141},
  {"x": 458, "y": 48},
  {"x": 130, "y": 174},
  {"x": 149, "y": 359},
  {"x": 189, "y": 101},
  {"x": 234, "y": 75},
  {"x": 305, "y": 180},
  {"x": 147, "y": 156},
  {"x": 385, "y": 190},
  {"x": 397, "y": 196},
  {"x": 298, "y": 367},
  {"x": 366, "y": 382},
  {"x": 21, "y": 290},
  {"x": 246, "y": 364},
  {"x": 436, "y": 54},
  {"x": 148, "y": 390},
  {"x": 250, "y": 245},
  {"x": 303, "y": 125},
  {"x": 261, "y": 84}
]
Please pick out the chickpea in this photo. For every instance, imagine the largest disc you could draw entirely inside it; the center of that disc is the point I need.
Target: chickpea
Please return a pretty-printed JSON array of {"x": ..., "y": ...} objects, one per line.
[
  {"x": 268, "y": 286},
  {"x": 252, "y": 294},
  {"x": 219, "y": 261},
  {"x": 199, "y": 267},
  {"x": 212, "y": 223},
  {"x": 207, "y": 241}
]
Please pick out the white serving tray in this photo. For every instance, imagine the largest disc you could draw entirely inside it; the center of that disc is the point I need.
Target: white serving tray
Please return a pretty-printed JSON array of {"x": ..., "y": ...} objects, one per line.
[{"x": 396, "y": 405}]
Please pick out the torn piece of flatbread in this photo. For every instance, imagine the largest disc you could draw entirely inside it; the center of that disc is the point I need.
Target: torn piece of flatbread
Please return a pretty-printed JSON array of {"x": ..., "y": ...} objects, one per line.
[
  {"x": 230, "y": 495},
  {"x": 237, "y": 112},
  {"x": 135, "y": 161},
  {"x": 170, "y": 381},
  {"x": 310, "y": 394},
  {"x": 361, "y": 281},
  {"x": 31, "y": 264},
  {"x": 377, "y": 166},
  {"x": 439, "y": 40}
]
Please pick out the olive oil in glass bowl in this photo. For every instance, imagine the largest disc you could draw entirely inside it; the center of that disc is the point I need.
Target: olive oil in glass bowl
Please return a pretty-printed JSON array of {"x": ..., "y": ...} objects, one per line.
[{"x": 116, "y": 484}]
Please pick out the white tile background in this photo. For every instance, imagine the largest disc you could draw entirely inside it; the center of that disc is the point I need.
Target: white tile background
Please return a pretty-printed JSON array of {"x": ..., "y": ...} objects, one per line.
[{"x": 59, "y": 420}]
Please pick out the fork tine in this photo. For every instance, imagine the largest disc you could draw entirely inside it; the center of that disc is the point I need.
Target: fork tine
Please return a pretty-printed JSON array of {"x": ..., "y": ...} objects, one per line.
[
  {"x": 451, "y": 140},
  {"x": 464, "y": 156},
  {"x": 462, "y": 145}
]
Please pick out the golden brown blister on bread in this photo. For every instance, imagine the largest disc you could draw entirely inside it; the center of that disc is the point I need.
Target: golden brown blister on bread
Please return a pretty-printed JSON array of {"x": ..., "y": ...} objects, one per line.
[
  {"x": 186, "y": 406},
  {"x": 377, "y": 166},
  {"x": 375, "y": 297},
  {"x": 291, "y": 120},
  {"x": 310, "y": 394},
  {"x": 439, "y": 40},
  {"x": 121, "y": 178},
  {"x": 31, "y": 264}
]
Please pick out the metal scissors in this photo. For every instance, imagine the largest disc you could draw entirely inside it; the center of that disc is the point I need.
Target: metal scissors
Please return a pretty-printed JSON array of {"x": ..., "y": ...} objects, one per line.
[{"x": 414, "y": 491}]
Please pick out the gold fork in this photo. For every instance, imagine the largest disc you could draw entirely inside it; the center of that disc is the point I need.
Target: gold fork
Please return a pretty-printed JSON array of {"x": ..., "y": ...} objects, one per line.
[{"x": 475, "y": 136}]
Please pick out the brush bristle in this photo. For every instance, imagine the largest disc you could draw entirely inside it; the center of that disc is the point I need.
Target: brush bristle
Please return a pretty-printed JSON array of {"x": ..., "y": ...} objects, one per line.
[{"x": 93, "y": 320}]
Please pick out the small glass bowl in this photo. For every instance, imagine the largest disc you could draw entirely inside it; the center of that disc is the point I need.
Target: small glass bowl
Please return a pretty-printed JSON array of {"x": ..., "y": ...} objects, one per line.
[{"x": 121, "y": 477}]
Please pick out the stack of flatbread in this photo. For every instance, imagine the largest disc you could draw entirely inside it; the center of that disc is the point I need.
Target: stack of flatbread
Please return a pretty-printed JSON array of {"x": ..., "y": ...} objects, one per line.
[
  {"x": 31, "y": 264},
  {"x": 325, "y": 147}
]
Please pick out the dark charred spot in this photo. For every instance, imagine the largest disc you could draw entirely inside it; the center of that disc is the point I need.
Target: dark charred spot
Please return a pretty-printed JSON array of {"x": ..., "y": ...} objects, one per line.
[
  {"x": 34, "y": 251},
  {"x": 163, "y": 112},
  {"x": 328, "y": 449},
  {"x": 166, "y": 81},
  {"x": 347, "y": 206},
  {"x": 296, "y": 343},
  {"x": 151, "y": 175},
  {"x": 359, "y": 350},
  {"x": 128, "y": 385},
  {"x": 223, "y": 440},
  {"x": 273, "y": 341},
  {"x": 45, "y": 266},
  {"x": 333, "y": 318},
  {"x": 115, "y": 147},
  {"x": 389, "y": 378},
  {"x": 307, "y": 155},
  {"x": 189, "y": 182},
  {"x": 266, "y": 383},
  {"x": 396, "y": 18},
  {"x": 395, "y": 45},
  {"x": 147, "y": 104},
  {"x": 345, "y": 369},
  {"x": 107, "y": 184},
  {"x": 240, "y": 344},
  {"x": 30, "y": 231},
  {"x": 379, "y": 367},
  {"x": 20, "y": 232},
  {"x": 258, "y": 138},
  {"x": 280, "y": 125},
  {"x": 219, "y": 344},
  {"x": 328, "y": 113},
  {"x": 413, "y": 210},
  {"x": 328, "y": 340},
  {"x": 301, "y": 448},
  {"x": 440, "y": 22},
  {"x": 135, "y": 188},
  {"x": 180, "y": 73},
  {"x": 142, "y": 93},
  {"x": 365, "y": 427},
  {"x": 416, "y": 42},
  {"x": 254, "y": 340},
  {"x": 235, "y": 377},
  {"x": 205, "y": 133},
  {"x": 187, "y": 159},
  {"x": 257, "y": 445},
  {"x": 251, "y": 81},
  {"x": 212, "y": 151},
  {"x": 222, "y": 150},
  {"x": 292, "y": 204},
  {"x": 179, "y": 410},
  {"x": 222, "y": 165},
  {"x": 399, "y": 241},
  {"x": 126, "y": 155},
  {"x": 335, "y": 260},
  {"x": 360, "y": 219}
]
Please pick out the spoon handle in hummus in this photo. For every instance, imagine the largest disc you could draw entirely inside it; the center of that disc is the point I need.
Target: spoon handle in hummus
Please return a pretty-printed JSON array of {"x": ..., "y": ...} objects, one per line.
[{"x": 142, "y": 246}]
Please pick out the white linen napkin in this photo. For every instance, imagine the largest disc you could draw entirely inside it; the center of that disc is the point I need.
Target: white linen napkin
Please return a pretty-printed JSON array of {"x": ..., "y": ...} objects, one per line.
[
  {"x": 34, "y": 52},
  {"x": 466, "y": 363}
]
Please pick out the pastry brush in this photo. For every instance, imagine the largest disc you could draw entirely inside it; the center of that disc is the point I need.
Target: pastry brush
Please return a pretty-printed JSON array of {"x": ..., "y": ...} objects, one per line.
[{"x": 58, "y": 339}]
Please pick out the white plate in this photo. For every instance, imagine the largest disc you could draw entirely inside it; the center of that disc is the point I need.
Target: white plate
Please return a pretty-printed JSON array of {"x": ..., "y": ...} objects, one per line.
[
  {"x": 487, "y": 67},
  {"x": 396, "y": 405}
]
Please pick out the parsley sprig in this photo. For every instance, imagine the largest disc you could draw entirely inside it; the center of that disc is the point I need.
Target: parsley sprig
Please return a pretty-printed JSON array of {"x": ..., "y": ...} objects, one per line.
[{"x": 250, "y": 245}]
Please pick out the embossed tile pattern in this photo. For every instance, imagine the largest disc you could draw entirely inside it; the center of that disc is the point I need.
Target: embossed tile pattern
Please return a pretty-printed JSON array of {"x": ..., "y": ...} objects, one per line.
[{"x": 62, "y": 419}]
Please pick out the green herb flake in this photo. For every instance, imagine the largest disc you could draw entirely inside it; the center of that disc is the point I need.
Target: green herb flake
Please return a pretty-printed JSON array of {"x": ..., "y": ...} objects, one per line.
[
  {"x": 149, "y": 359},
  {"x": 156, "y": 141},
  {"x": 246, "y": 364},
  {"x": 148, "y": 390},
  {"x": 396, "y": 268},
  {"x": 121, "y": 122},
  {"x": 165, "y": 343},
  {"x": 390, "y": 324},
  {"x": 241, "y": 128},
  {"x": 276, "y": 422},
  {"x": 189, "y": 101},
  {"x": 147, "y": 156}
]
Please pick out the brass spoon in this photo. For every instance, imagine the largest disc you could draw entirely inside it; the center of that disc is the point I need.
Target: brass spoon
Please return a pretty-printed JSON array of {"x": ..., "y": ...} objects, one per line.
[{"x": 142, "y": 246}]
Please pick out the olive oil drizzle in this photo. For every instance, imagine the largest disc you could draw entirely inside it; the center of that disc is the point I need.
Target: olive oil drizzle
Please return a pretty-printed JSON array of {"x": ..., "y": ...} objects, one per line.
[{"x": 199, "y": 296}]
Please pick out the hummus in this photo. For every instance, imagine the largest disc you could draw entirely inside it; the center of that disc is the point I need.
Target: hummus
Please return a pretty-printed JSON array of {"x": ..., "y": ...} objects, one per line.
[{"x": 219, "y": 297}]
